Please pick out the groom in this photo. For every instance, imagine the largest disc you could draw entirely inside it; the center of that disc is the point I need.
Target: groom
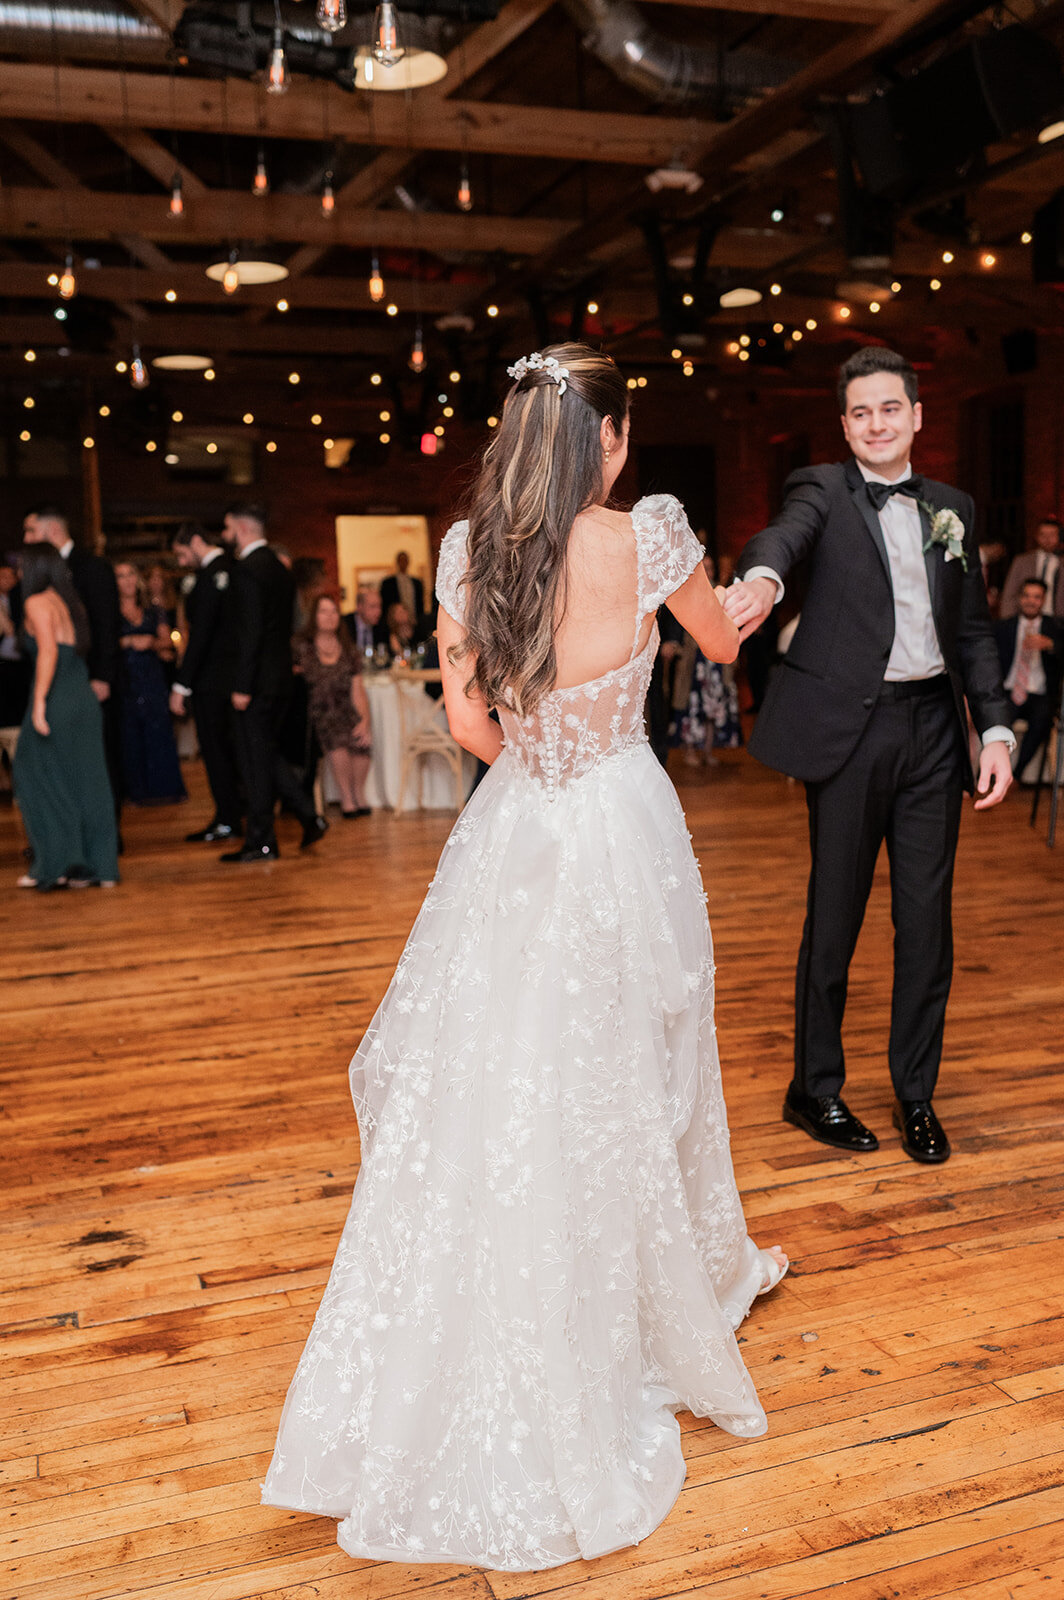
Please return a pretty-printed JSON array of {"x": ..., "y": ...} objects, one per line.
[{"x": 867, "y": 708}]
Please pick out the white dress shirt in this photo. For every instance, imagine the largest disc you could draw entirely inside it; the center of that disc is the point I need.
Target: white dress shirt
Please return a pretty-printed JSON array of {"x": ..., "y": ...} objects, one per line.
[
  {"x": 1036, "y": 671},
  {"x": 256, "y": 544}
]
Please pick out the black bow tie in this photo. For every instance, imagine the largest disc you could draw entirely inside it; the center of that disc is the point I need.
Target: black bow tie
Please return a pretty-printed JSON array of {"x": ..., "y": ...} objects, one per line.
[{"x": 880, "y": 493}]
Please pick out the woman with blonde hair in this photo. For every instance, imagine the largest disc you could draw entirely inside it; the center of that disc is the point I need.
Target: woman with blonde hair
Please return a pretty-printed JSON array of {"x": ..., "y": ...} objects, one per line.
[{"x": 546, "y": 1256}]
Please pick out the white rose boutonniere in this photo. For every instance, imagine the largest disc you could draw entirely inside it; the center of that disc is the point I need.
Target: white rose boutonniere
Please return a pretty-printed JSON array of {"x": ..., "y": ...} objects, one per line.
[
  {"x": 947, "y": 529},
  {"x": 221, "y": 580}
]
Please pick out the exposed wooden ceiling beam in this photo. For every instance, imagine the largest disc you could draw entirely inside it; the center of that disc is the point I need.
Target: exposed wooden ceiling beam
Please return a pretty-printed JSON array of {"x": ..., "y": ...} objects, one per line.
[
  {"x": 221, "y": 214},
  {"x": 218, "y": 335},
  {"x": 156, "y": 159},
  {"x": 858, "y": 12},
  {"x": 90, "y": 95}
]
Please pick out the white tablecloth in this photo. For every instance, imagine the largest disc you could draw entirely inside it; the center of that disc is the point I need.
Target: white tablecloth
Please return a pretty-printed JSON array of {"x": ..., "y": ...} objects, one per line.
[{"x": 382, "y": 786}]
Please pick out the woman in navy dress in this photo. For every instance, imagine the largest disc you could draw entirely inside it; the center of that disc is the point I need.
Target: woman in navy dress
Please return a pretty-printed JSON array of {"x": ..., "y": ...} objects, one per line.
[{"x": 150, "y": 766}]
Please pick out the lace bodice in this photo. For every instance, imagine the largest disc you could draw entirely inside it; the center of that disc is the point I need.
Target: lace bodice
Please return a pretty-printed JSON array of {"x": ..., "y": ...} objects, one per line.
[{"x": 573, "y": 729}]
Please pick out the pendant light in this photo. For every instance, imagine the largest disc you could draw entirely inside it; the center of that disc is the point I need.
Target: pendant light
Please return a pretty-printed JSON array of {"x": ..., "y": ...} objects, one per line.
[
  {"x": 68, "y": 283},
  {"x": 417, "y": 353},
  {"x": 231, "y": 277},
  {"x": 376, "y": 282},
  {"x": 328, "y": 195},
  {"x": 277, "y": 74},
  {"x": 260, "y": 183},
  {"x": 465, "y": 189},
  {"x": 177, "y": 198},
  {"x": 138, "y": 371},
  {"x": 387, "y": 49},
  {"x": 332, "y": 15}
]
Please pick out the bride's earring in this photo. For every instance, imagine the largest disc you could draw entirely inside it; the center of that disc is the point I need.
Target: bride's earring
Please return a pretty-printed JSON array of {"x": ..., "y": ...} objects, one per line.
[{"x": 608, "y": 454}]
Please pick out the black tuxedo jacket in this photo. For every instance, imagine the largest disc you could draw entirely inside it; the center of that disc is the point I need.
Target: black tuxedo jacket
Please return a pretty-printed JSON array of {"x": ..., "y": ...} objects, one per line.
[
  {"x": 263, "y": 601},
  {"x": 210, "y": 656},
  {"x": 380, "y": 630},
  {"x": 823, "y": 694},
  {"x": 94, "y": 580},
  {"x": 390, "y": 596},
  {"x": 1052, "y": 660}
]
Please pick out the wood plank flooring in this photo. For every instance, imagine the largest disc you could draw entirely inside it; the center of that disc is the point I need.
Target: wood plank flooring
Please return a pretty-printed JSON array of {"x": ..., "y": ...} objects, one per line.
[{"x": 176, "y": 1164}]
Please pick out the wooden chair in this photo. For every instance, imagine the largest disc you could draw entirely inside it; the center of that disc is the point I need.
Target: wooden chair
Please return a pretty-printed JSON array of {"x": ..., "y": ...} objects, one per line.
[{"x": 423, "y": 731}]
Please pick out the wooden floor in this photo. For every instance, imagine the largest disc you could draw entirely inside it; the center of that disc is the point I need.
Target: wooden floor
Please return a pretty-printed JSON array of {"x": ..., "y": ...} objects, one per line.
[{"x": 177, "y": 1157}]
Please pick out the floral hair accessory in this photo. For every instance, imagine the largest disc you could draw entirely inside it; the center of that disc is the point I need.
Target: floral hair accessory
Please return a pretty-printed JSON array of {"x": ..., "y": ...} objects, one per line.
[{"x": 537, "y": 363}]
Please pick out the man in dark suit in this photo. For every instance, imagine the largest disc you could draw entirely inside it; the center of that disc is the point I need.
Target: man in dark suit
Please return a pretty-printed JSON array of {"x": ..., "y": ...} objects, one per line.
[
  {"x": 1045, "y": 562},
  {"x": 205, "y": 676},
  {"x": 263, "y": 596},
  {"x": 364, "y": 624},
  {"x": 1030, "y": 646},
  {"x": 868, "y": 710},
  {"x": 402, "y": 589},
  {"x": 94, "y": 580}
]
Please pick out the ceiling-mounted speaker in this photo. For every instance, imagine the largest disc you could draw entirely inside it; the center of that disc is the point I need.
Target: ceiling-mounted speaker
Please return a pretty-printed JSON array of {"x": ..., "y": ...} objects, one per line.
[
  {"x": 937, "y": 122},
  {"x": 1047, "y": 243}
]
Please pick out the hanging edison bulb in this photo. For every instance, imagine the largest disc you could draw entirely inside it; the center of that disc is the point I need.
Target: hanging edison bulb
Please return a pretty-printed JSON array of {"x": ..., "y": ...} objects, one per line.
[
  {"x": 417, "y": 353},
  {"x": 465, "y": 189},
  {"x": 376, "y": 282},
  {"x": 260, "y": 183},
  {"x": 177, "y": 198},
  {"x": 332, "y": 15},
  {"x": 138, "y": 371},
  {"x": 328, "y": 196},
  {"x": 231, "y": 276},
  {"x": 277, "y": 75},
  {"x": 386, "y": 46},
  {"x": 68, "y": 284}
]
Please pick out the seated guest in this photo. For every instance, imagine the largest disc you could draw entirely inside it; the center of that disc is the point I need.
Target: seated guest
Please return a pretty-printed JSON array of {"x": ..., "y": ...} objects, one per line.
[
  {"x": 339, "y": 710},
  {"x": 401, "y": 631},
  {"x": 1043, "y": 562},
  {"x": 364, "y": 624},
  {"x": 60, "y": 772},
  {"x": 1031, "y": 646},
  {"x": 404, "y": 589},
  {"x": 151, "y": 771}
]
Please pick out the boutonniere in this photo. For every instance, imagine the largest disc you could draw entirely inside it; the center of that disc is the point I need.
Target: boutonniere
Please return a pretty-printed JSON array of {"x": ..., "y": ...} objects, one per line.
[
  {"x": 947, "y": 529},
  {"x": 221, "y": 580}
]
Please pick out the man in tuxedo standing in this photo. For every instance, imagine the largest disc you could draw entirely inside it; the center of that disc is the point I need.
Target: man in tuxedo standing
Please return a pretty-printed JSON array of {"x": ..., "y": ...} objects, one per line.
[
  {"x": 1030, "y": 647},
  {"x": 263, "y": 596},
  {"x": 403, "y": 589},
  {"x": 94, "y": 580},
  {"x": 205, "y": 676},
  {"x": 868, "y": 709},
  {"x": 1044, "y": 562}
]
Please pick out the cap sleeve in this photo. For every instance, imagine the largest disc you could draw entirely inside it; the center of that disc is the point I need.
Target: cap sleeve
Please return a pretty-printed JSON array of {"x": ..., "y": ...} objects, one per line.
[
  {"x": 451, "y": 569},
  {"x": 668, "y": 551}
]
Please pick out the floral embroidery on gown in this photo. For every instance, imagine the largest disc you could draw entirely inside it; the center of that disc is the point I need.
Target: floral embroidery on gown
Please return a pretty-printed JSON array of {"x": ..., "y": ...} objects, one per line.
[{"x": 545, "y": 1256}]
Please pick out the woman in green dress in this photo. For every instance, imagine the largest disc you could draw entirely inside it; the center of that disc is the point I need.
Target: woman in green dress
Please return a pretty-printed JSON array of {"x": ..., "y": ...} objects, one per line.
[{"x": 60, "y": 772}]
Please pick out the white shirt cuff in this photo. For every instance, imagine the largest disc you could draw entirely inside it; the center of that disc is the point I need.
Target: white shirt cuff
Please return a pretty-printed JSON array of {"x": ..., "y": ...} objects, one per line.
[
  {"x": 1006, "y": 735},
  {"x": 764, "y": 572},
  {"x": 181, "y": 689}
]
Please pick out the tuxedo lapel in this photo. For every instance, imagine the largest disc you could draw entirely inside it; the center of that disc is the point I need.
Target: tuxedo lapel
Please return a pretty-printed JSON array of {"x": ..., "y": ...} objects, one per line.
[
  {"x": 859, "y": 494},
  {"x": 933, "y": 557}
]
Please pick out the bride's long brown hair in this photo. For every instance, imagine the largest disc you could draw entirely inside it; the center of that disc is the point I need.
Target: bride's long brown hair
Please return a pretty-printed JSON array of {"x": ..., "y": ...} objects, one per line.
[{"x": 543, "y": 467}]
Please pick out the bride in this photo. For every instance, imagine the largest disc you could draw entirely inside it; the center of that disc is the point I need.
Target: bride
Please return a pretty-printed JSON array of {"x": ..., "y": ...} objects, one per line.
[{"x": 545, "y": 1257}]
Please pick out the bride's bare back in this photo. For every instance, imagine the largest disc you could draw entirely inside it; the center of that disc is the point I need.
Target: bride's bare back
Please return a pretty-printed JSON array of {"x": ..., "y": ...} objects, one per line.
[{"x": 597, "y": 630}]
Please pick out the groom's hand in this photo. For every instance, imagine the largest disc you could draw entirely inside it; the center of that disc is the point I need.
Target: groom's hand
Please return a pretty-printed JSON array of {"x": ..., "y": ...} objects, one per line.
[
  {"x": 748, "y": 603},
  {"x": 994, "y": 763}
]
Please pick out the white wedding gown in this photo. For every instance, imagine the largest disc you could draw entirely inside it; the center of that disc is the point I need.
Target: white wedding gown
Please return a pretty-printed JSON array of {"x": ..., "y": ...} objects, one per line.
[{"x": 545, "y": 1256}]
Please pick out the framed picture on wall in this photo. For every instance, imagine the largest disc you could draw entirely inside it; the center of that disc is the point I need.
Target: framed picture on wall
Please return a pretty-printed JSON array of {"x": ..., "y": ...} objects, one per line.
[{"x": 371, "y": 577}]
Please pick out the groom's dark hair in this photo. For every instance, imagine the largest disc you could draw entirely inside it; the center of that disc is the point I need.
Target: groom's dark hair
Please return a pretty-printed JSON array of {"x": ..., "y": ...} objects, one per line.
[{"x": 873, "y": 358}]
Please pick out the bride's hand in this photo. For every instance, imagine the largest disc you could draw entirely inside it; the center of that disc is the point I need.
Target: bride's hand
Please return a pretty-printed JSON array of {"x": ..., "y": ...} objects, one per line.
[{"x": 748, "y": 603}]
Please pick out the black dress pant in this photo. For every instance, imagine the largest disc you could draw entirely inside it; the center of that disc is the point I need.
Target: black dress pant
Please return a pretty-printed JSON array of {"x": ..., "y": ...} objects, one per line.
[
  {"x": 266, "y": 775},
  {"x": 903, "y": 784},
  {"x": 1037, "y": 711},
  {"x": 213, "y": 714}
]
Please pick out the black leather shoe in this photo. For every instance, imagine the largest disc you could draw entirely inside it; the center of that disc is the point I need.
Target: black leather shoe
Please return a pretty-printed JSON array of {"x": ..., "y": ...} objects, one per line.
[
  {"x": 922, "y": 1135},
  {"x": 312, "y": 832},
  {"x": 264, "y": 852},
  {"x": 829, "y": 1119},
  {"x": 213, "y": 833}
]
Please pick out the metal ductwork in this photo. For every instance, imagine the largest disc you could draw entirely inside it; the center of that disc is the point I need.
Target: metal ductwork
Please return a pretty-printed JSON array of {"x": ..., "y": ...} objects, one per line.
[
  {"x": 87, "y": 29},
  {"x": 664, "y": 69}
]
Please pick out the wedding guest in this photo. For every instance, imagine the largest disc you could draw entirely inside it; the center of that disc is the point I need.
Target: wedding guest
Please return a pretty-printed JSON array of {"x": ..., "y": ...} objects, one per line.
[
  {"x": 1043, "y": 562},
  {"x": 205, "y": 676},
  {"x": 1031, "y": 646},
  {"x": 402, "y": 588},
  {"x": 339, "y": 710},
  {"x": 705, "y": 699},
  {"x": 870, "y": 709},
  {"x": 15, "y": 668},
  {"x": 94, "y": 584},
  {"x": 60, "y": 772},
  {"x": 364, "y": 626},
  {"x": 262, "y": 685},
  {"x": 992, "y": 559},
  {"x": 159, "y": 592},
  {"x": 401, "y": 631},
  {"x": 151, "y": 771}
]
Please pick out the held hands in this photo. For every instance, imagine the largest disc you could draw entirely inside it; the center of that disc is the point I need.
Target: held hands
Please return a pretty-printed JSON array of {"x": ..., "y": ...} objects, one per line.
[
  {"x": 40, "y": 721},
  {"x": 240, "y": 701},
  {"x": 748, "y": 603},
  {"x": 995, "y": 774},
  {"x": 100, "y": 689},
  {"x": 178, "y": 704}
]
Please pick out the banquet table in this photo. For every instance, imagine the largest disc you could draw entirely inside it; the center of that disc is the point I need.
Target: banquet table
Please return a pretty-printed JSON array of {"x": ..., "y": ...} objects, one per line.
[{"x": 382, "y": 785}]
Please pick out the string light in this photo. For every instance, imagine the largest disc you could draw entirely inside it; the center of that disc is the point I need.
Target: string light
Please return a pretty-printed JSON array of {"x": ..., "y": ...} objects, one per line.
[
  {"x": 212, "y": 449},
  {"x": 30, "y": 355},
  {"x": 210, "y": 374},
  {"x": 332, "y": 15},
  {"x": 796, "y": 335},
  {"x": 138, "y": 371},
  {"x": 592, "y": 308},
  {"x": 328, "y": 444},
  {"x": 375, "y": 379},
  {"x": 68, "y": 283},
  {"x": 25, "y": 436},
  {"x": 293, "y": 377},
  {"x": 328, "y": 196},
  {"x": 465, "y": 189},
  {"x": 630, "y": 383},
  {"x": 385, "y": 416},
  {"x": 688, "y": 299},
  {"x": 989, "y": 260},
  {"x": 844, "y": 312},
  {"x": 936, "y": 283},
  {"x": 282, "y": 305},
  {"x": 744, "y": 355},
  {"x": 775, "y": 288},
  {"x": 493, "y": 311},
  {"x": 641, "y": 383},
  {"x": 810, "y": 323},
  {"x": 88, "y": 442},
  {"x": 315, "y": 420},
  {"x": 177, "y": 197},
  {"x": 248, "y": 417},
  {"x": 151, "y": 447},
  {"x": 895, "y": 287},
  {"x": 104, "y": 411},
  {"x": 676, "y": 353},
  {"x": 448, "y": 411},
  {"x": 1025, "y": 237},
  {"x": 392, "y": 309},
  {"x": 231, "y": 276},
  {"x": 386, "y": 438},
  {"x": 493, "y": 422},
  {"x": 438, "y": 430},
  {"x": 873, "y": 306},
  {"x": 170, "y": 295},
  {"x": 271, "y": 446},
  {"x": 260, "y": 183},
  {"x": 947, "y": 257},
  {"x": 455, "y": 377},
  {"x": 733, "y": 347},
  {"x": 744, "y": 340},
  {"x": 121, "y": 366},
  {"x": 177, "y": 416},
  {"x": 777, "y": 327},
  {"x": 29, "y": 402},
  {"x": 53, "y": 280},
  {"x": 376, "y": 282},
  {"x": 388, "y": 50}
]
